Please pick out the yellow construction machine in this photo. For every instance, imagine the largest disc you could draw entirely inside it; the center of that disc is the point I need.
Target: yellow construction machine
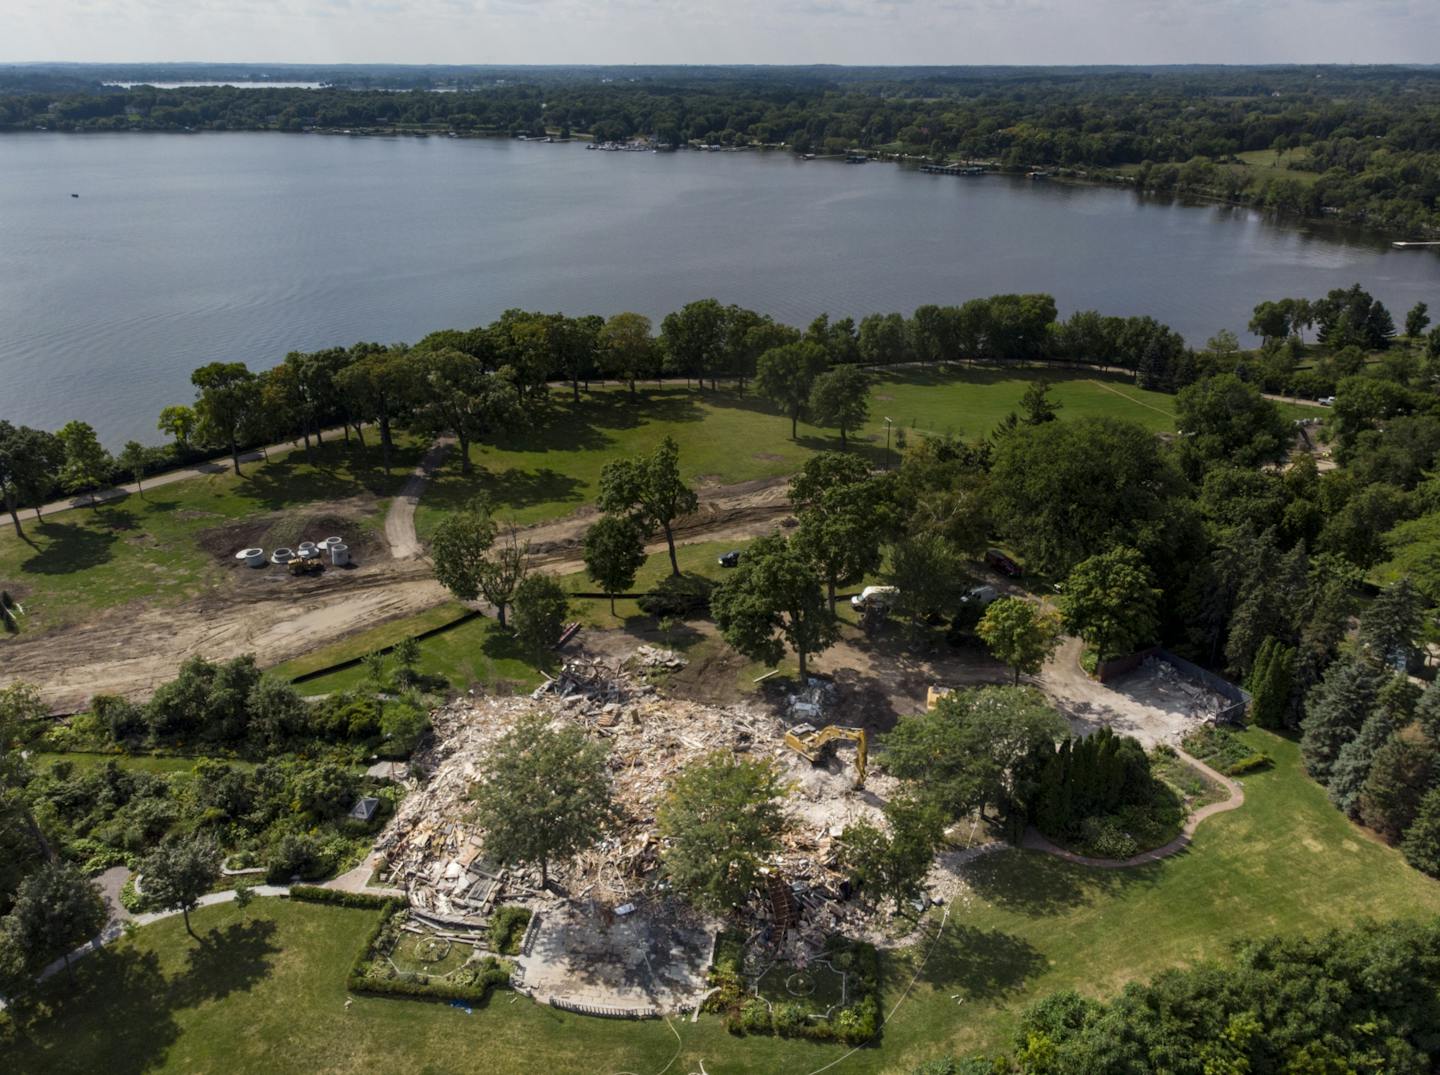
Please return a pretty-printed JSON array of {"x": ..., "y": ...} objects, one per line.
[{"x": 810, "y": 742}]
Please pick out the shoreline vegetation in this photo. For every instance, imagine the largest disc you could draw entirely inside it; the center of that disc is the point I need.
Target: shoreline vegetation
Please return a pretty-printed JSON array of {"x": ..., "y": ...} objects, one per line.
[{"x": 1315, "y": 142}]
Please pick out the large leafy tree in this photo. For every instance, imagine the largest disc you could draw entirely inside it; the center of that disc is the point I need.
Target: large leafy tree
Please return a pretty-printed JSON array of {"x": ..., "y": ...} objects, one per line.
[
  {"x": 962, "y": 755},
  {"x": 896, "y": 862},
  {"x": 785, "y": 376},
  {"x": 460, "y": 547},
  {"x": 228, "y": 403},
  {"x": 1111, "y": 601},
  {"x": 721, "y": 818},
  {"x": 627, "y": 351},
  {"x": 841, "y": 399},
  {"x": 56, "y": 909},
  {"x": 30, "y": 464},
  {"x": 378, "y": 385},
  {"x": 844, "y": 515},
  {"x": 1064, "y": 490},
  {"x": 773, "y": 600},
  {"x": 454, "y": 393},
  {"x": 1022, "y": 634},
  {"x": 695, "y": 339},
  {"x": 1223, "y": 419},
  {"x": 614, "y": 554},
  {"x": 544, "y": 794},
  {"x": 178, "y": 872},
  {"x": 87, "y": 464},
  {"x": 651, "y": 491}
]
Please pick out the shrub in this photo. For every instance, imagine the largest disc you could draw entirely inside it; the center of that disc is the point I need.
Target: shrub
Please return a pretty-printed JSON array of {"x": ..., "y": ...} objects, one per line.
[
  {"x": 297, "y": 854},
  {"x": 859, "y": 1022},
  {"x": 1102, "y": 837},
  {"x": 507, "y": 929},
  {"x": 679, "y": 596},
  {"x": 755, "y": 1017},
  {"x": 1250, "y": 764},
  {"x": 790, "y": 1019}
]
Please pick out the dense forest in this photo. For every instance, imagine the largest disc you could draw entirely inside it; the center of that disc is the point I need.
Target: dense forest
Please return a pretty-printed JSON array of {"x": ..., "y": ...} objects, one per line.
[{"x": 1358, "y": 143}]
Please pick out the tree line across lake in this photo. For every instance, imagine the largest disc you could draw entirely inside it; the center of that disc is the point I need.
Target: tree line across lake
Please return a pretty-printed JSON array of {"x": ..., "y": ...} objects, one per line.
[
  {"x": 1357, "y": 143},
  {"x": 482, "y": 382}
]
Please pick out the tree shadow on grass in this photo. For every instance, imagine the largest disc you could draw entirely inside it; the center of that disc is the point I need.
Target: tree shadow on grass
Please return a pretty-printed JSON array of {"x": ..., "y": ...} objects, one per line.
[
  {"x": 565, "y": 427},
  {"x": 111, "y": 1018},
  {"x": 225, "y": 961},
  {"x": 1035, "y": 883},
  {"x": 70, "y": 548},
  {"x": 986, "y": 964}
]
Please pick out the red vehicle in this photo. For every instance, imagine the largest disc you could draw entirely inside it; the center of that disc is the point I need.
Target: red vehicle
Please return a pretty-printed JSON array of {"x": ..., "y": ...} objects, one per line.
[{"x": 1002, "y": 563}]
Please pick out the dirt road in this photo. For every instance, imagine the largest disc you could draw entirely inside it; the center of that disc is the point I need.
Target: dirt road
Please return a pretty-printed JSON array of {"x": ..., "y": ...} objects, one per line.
[{"x": 132, "y": 650}]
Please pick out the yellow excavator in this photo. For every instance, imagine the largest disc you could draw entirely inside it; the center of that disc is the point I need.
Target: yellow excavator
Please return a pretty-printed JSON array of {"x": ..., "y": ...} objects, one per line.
[{"x": 810, "y": 742}]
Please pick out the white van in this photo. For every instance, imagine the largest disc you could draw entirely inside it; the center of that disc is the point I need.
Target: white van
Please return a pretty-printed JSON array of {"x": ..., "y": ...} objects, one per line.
[{"x": 880, "y": 595}]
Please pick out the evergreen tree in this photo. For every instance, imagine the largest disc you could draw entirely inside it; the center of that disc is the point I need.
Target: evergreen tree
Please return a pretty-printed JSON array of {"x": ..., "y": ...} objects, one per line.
[
  {"x": 1270, "y": 683},
  {"x": 1336, "y": 710},
  {"x": 1421, "y": 845},
  {"x": 1389, "y": 626},
  {"x": 1427, "y": 712},
  {"x": 1400, "y": 773},
  {"x": 1352, "y": 763}
]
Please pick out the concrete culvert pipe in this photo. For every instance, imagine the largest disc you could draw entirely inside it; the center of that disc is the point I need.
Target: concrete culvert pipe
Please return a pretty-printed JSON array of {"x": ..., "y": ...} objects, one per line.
[
  {"x": 282, "y": 556},
  {"x": 340, "y": 554},
  {"x": 331, "y": 542},
  {"x": 252, "y": 557},
  {"x": 307, "y": 546}
]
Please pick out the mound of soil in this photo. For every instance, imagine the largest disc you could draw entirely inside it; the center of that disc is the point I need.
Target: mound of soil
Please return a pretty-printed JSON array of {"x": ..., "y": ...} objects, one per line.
[{"x": 287, "y": 529}]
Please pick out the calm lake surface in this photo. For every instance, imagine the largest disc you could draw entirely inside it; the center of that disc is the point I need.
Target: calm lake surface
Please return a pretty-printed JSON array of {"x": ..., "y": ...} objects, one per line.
[{"x": 184, "y": 249}]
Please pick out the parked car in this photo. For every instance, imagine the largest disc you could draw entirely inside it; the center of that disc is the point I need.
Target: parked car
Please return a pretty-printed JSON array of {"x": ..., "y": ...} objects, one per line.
[
  {"x": 981, "y": 597},
  {"x": 1002, "y": 563},
  {"x": 878, "y": 595},
  {"x": 1327, "y": 401},
  {"x": 730, "y": 559}
]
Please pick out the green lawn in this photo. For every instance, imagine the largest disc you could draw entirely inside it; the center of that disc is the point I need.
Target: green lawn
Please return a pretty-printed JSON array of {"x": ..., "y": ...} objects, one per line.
[
  {"x": 726, "y": 437},
  {"x": 173, "y": 542},
  {"x": 477, "y": 652},
  {"x": 1263, "y": 164},
  {"x": 266, "y": 992}
]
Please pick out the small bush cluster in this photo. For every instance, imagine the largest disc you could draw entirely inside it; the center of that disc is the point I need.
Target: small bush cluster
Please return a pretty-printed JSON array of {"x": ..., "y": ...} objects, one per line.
[
  {"x": 1222, "y": 749},
  {"x": 507, "y": 929}
]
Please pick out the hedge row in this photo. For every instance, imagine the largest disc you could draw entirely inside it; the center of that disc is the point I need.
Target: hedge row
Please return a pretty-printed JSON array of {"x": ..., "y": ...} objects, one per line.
[
  {"x": 477, "y": 992},
  {"x": 366, "y": 900},
  {"x": 357, "y": 981}
]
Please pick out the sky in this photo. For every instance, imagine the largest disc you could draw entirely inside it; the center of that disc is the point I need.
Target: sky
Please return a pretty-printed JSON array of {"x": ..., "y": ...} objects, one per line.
[{"x": 723, "y": 31}]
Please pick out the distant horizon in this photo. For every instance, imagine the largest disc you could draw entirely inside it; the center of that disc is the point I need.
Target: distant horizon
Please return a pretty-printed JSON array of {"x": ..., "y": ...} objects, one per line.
[
  {"x": 778, "y": 65},
  {"x": 881, "y": 33}
]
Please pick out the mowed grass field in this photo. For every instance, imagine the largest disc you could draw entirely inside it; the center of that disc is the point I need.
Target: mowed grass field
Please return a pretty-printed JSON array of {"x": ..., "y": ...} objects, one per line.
[
  {"x": 170, "y": 542},
  {"x": 725, "y": 436},
  {"x": 265, "y": 991}
]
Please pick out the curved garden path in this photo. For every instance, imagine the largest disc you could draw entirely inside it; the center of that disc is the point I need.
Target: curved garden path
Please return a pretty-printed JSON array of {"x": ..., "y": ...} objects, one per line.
[
  {"x": 400, "y": 519},
  {"x": 1034, "y": 841}
]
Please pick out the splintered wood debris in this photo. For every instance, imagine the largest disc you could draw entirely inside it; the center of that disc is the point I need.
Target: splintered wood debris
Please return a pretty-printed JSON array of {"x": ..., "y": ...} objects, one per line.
[{"x": 437, "y": 854}]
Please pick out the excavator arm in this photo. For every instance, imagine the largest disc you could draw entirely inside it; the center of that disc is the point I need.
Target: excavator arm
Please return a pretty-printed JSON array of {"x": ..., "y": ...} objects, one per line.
[{"x": 810, "y": 745}]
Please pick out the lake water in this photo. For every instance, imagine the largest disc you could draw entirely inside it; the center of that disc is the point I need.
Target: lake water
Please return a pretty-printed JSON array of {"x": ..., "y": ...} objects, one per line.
[{"x": 184, "y": 249}]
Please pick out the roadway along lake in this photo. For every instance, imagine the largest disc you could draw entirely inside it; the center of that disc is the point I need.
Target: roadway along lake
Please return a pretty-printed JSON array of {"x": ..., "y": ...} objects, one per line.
[{"x": 185, "y": 249}]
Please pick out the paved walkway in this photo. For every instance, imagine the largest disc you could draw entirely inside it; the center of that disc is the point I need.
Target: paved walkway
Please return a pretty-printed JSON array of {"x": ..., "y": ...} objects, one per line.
[
  {"x": 352, "y": 881},
  {"x": 1034, "y": 841},
  {"x": 199, "y": 470},
  {"x": 400, "y": 519}
]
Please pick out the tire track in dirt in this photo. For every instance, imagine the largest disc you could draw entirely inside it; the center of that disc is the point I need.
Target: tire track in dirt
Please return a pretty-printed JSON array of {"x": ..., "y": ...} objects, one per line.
[{"x": 132, "y": 650}]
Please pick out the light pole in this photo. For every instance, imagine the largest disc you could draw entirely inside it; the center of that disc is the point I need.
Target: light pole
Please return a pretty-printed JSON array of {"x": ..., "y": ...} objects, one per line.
[{"x": 888, "y": 424}]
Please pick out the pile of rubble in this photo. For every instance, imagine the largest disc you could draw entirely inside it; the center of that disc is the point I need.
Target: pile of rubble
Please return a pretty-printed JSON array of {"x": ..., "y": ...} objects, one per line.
[
  {"x": 1183, "y": 694},
  {"x": 436, "y": 854}
]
